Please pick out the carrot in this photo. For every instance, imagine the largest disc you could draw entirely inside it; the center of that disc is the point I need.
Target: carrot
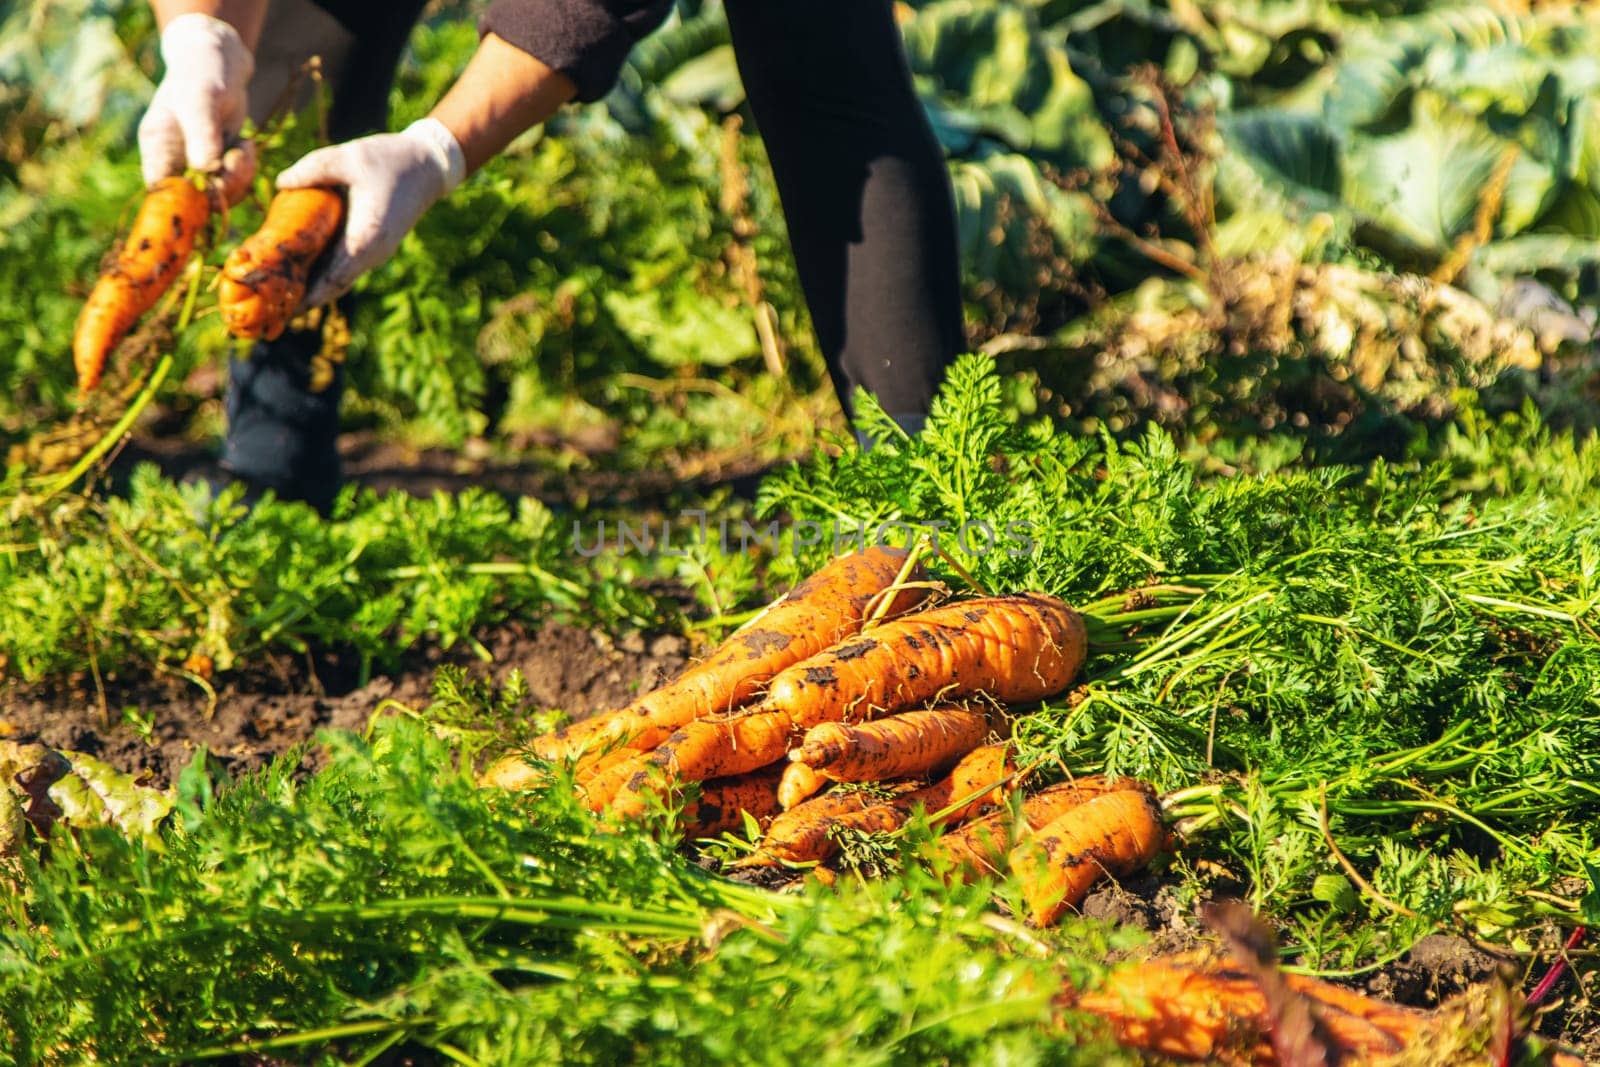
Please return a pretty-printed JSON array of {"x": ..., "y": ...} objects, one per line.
[
  {"x": 1192, "y": 1008},
  {"x": 513, "y": 772},
  {"x": 723, "y": 804},
  {"x": 800, "y": 834},
  {"x": 825, "y": 608},
  {"x": 811, "y": 839},
  {"x": 974, "y": 783},
  {"x": 912, "y": 743},
  {"x": 979, "y": 848},
  {"x": 600, "y": 791},
  {"x": 1014, "y": 649},
  {"x": 264, "y": 279},
  {"x": 1113, "y": 835},
  {"x": 162, "y": 237},
  {"x": 799, "y": 782}
]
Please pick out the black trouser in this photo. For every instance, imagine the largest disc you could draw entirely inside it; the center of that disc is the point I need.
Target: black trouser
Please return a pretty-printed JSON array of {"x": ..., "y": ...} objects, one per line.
[
  {"x": 864, "y": 188},
  {"x": 865, "y": 195}
]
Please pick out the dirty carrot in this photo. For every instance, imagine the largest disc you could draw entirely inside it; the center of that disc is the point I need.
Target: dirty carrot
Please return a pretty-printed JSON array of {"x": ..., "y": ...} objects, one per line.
[
  {"x": 799, "y": 781},
  {"x": 826, "y": 608},
  {"x": 160, "y": 241},
  {"x": 600, "y": 791},
  {"x": 972, "y": 784},
  {"x": 979, "y": 848},
  {"x": 1014, "y": 649},
  {"x": 264, "y": 279},
  {"x": 1195, "y": 1009},
  {"x": 724, "y": 802},
  {"x": 1111, "y": 835},
  {"x": 800, "y": 834},
  {"x": 899, "y": 746}
]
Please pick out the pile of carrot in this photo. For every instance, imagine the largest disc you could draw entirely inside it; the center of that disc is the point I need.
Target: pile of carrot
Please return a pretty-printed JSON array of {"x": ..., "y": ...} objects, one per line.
[{"x": 849, "y": 706}]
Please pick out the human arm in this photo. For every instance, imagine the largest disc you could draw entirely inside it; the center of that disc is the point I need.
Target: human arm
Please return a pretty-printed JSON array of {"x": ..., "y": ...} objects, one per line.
[
  {"x": 392, "y": 178},
  {"x": 200, "y": 106}
]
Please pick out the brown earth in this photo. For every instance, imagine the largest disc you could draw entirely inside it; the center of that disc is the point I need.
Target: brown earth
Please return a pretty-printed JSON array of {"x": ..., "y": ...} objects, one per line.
[{"x": 265, "y": 712}]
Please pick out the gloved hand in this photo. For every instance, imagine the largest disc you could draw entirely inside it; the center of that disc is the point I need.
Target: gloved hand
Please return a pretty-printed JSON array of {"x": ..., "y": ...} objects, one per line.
[
  {"x": 392, "y": 178},
  {"x": 200, "y": 104}
]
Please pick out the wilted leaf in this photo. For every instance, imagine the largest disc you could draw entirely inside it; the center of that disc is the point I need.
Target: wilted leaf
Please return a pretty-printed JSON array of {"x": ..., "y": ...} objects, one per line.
[{"x": 93, "y": 793}]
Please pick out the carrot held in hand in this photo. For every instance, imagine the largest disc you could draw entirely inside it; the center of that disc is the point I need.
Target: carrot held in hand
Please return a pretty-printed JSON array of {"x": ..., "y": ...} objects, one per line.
[
  {"x": 159, "y": 243},
  {"x": 899, "y": 746},
  {"x": 264, "y": 279},
  {"x": 1112, "y": 835},
  {"x": 826, "y": 608}
]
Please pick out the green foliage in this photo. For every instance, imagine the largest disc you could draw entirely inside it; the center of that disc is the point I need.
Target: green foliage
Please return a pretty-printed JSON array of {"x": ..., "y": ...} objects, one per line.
[
  {"x": 1380, "y": 635},
  {"x": 388, "y": 902},
  {"x": 170, "y": 571}
]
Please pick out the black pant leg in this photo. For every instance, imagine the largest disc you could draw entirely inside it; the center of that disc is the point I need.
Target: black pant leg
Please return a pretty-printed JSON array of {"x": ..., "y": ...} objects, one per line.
[
  {"x": 282, "y": 429},
  {"x": 864, "y": 188}
]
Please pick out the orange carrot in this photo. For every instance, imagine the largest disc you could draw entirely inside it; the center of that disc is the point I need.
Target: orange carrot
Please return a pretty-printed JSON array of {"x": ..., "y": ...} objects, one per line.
[
  {"x": 723, "y": 804},
  {"x": 599, "y": 791},
  {"x": 799, "y": 782},
  {"x": 1014, "y": 649},
  {"x": 159, "y": 243},
  {"x": 1113, "y": 835},
  {"x": 825, "y": 608},
  {"x": 800, "y": 834},
  {"x": 813, "y": 839},
  {"x": 974, "y": 783},
  {"x": 264, "y": 279},
  {"x": 1193, "y": 1008},
  {"x": 979, "y": 848},
  {"x": 899, "y": 746}
]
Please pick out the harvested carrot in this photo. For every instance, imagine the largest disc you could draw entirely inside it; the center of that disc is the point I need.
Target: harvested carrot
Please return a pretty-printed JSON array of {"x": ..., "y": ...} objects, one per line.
[
  {"x": 600, "y": 790},
  {"x": 800, "y": 834},
  {"x": 971, "y": 784},
  {"x": 979, "y": 848},
  {"x": 1014, "y": 649},
  {"x": 977, "y": 781},
  {"x": 160, "y": 241},
  {"x": 799, "y": 781},
  {"x": 1192, "y": 1008},
  {"x": 512, "y": 772},
  {"x": 899, "y": 746},
  {"x": 723, "y": 804},
  {"x": 1111, "y": 835},
  {"x": 264, "y": 279},
  {"x": 826, "y": 608}
]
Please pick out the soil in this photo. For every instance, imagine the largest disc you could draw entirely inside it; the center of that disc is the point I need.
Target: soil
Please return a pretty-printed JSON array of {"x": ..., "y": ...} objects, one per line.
[{"x": 263, "y": 713}]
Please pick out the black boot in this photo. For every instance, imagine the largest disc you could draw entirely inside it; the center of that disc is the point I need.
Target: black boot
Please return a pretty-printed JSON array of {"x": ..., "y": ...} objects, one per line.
[{"x": 283, "y": 423}]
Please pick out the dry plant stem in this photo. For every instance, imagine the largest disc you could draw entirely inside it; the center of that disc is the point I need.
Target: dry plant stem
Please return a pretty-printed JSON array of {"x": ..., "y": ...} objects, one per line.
[
  {"x": 120, "y": 428},
  {"x": 1349, "y": 868}
]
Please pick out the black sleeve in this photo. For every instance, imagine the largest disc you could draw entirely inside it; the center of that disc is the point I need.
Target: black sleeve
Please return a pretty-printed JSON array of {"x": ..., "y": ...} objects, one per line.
[{"x": 586, "y": 40}]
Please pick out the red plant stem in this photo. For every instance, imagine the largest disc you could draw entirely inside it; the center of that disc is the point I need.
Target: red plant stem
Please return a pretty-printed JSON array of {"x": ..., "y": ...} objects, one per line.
[{"x": 1557, "y": 969}]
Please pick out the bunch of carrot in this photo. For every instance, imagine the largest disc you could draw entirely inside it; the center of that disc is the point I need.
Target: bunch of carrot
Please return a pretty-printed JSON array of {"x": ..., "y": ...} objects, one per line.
[
  {"x": 847, "y": 707},
  {"x": 261, "y": 285}
]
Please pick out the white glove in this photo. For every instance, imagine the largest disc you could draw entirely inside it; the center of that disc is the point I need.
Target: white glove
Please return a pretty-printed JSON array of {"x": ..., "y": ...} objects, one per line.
[
  {"x": 392, "y": 179},
  {"x": 201, "y": 102}
]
